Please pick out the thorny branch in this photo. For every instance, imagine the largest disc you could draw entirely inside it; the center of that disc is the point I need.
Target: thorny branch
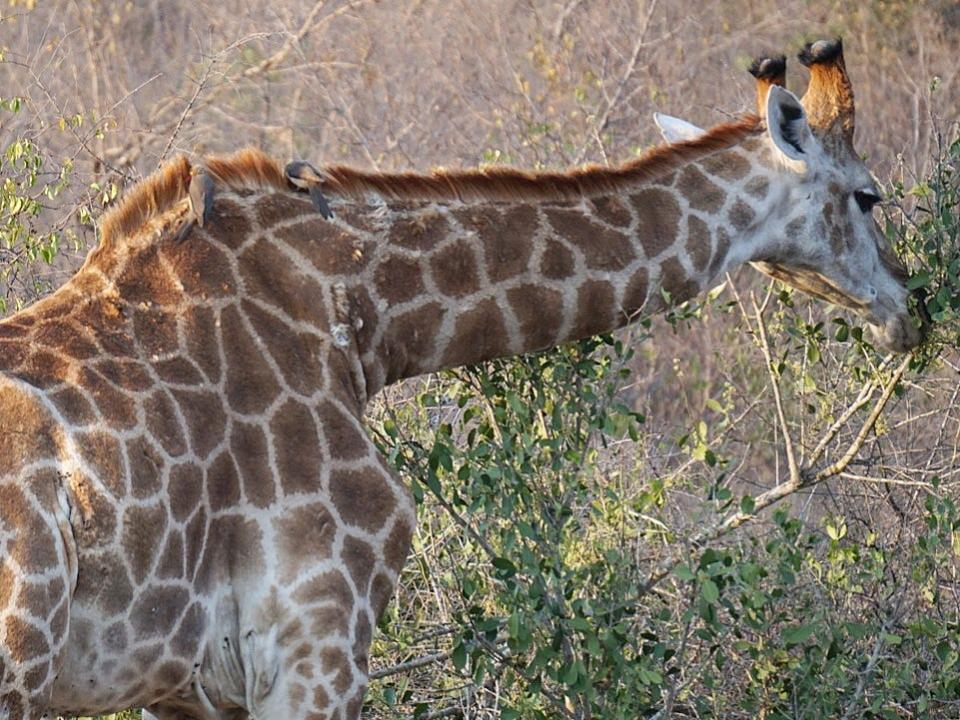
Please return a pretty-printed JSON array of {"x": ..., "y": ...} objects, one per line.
[
  {"x": 411, "y": 664},
  {"x": 201, "y": 85},
  {"x": 893, "y": 617},
  {"x": 641, "y": 42},
  {"x": 775, "y": 386}
]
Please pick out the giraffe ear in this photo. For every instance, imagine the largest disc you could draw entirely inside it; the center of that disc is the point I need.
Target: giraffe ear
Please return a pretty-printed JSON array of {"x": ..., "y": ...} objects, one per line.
[
  {"x": 787, "y": 124},
  {"x": 675, "y": 130}
]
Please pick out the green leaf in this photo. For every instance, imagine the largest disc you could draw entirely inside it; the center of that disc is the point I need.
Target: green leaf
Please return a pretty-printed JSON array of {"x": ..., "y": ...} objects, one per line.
[
  {"x": 581, "y": 624},
  {"x": 433, "y": 483},
  {"x": 684, "y": 573},
  {"x": 836, "y": 529},
  {"x": 921, "y": 279},
  {"x": 459, "y": 656},
  {"x": 709, "y": 591},
  {"x": 650, "y": 677},
  {"x": 797, "y": 634},
  {"x": 513, "y": 625},
  {"x": 505, "y": 567}
]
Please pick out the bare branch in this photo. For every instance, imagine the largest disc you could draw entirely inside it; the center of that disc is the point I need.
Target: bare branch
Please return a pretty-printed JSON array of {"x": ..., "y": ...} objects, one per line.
[
  {"x": 411, "y": 665},
  {"x": 775, "y": 386}
]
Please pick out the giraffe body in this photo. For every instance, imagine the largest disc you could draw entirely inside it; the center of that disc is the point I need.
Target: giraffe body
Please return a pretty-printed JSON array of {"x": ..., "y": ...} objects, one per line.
[
  {"x": 192, "y": 518},
  {"x": 195, "y": 484}
]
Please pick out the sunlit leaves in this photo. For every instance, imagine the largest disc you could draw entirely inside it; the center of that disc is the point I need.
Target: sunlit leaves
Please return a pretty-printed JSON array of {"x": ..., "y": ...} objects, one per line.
[
  {"x": 928, "y": 231},
  {"x": 25, "y": 190}
]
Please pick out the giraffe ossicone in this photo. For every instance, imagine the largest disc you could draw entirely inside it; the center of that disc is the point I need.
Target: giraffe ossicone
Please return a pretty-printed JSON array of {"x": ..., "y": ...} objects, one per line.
[{"x": 192, "y": 518}]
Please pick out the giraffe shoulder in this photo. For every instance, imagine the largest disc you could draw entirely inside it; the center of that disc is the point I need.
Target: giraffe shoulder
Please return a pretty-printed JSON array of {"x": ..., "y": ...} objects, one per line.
[{"x": 29, "y": 435}]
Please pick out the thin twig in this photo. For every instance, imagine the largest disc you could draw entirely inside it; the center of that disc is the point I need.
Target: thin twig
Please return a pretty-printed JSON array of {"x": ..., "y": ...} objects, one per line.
[
  {"x": 201, "y": 84},
  {"x": 806, "y": 478},
  {"x": 83, "y": 140},
  {"x": 863, "y": 398},
  {"x": 871, "y": 665},
  {"x": 777, "y": 399},
  {"x": 411, "y": 665},
  {"x": 452, "y": 711},
  {"x": 867, "y": 427},
  {"x": 129, "y": 152},
  {"x": 601, "y": 123}
]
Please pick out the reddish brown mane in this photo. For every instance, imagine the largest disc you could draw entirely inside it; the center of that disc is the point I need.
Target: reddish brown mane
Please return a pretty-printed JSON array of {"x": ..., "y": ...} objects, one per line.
[
  {"x": 248, "y": 168},
  {"x": 145, "y": 200},
  {"x": 497, "y": 183}
]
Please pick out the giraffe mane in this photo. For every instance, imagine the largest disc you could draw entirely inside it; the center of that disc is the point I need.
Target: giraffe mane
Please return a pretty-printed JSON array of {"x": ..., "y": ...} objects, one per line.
[
  {"x": 246, "y": 169},
  {"x": 146, "y": 200},
  {"x": 505, "y": 183},
  {"x": 252, "y": 169}
]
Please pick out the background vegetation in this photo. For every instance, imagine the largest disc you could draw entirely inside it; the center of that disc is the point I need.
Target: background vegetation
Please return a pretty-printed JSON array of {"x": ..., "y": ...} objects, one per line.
[{"x": 739, "y": 511}]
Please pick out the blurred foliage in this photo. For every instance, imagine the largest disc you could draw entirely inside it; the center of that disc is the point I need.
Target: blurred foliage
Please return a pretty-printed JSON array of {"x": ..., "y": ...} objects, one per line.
[
  {"x": 799, "y": 622},
  {"x": 545, "y": 597},
  {"x": 35, "y": 223},
  {"x": 926, "y": 229}
]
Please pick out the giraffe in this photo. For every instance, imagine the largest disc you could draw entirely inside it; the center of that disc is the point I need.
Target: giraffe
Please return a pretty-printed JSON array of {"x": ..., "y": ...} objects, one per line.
[
  {"x": 192, "y": 519},
  {"x": 829, "y": 103}
]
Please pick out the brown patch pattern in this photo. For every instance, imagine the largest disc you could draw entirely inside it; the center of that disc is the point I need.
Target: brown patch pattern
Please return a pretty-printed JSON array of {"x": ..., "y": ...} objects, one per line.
[
  {"x": 700, "y": 192},
  {"x": 699, "y": 243},
  {"x": 659, "y": 220},
  {"x": 602, "y": 248}
]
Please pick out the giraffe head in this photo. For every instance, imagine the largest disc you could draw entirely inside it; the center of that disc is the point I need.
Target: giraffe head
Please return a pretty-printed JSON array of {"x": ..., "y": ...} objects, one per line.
[
  {"x": 831, "y": 246},
  {"x": 818, "y": 233}
]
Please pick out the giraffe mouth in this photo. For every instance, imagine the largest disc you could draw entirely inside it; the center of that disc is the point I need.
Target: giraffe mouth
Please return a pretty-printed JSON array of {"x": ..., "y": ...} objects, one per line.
[
  {"x": 899, "y": 334},
  {"x": 813, "y": 283},
  {"x": 893, "y": 329}
]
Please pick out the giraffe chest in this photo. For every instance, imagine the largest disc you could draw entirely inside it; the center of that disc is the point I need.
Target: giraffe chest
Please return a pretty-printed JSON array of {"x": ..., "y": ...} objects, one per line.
[{"x": 310, "y": 568}]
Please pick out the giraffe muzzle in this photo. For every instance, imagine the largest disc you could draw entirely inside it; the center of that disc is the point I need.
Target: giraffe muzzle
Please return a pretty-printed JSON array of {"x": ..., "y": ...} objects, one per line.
[
  {"x": 900, "y": 333},
  {"x": 895, "y": 327}
]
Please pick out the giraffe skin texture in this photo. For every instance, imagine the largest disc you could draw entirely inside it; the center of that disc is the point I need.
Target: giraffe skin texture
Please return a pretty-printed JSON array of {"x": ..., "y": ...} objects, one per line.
[
  {"x": 192, "y": 518},
  {"x": 191, "y": 515}
]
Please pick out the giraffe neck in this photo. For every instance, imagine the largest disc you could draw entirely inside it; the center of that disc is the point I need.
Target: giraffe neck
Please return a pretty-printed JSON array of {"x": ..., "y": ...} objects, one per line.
[
  {"x": 456, "y": 284},
  {"x": 404, "y": 287}
]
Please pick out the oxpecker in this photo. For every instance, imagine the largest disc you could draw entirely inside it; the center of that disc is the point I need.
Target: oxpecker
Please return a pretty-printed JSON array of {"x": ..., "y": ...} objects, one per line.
[
  {"x": 200, "y": 197},
  {"x": 303, "y": 176}
]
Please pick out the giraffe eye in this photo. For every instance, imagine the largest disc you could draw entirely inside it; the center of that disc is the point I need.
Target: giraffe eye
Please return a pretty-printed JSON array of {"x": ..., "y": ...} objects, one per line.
[{"x": 866, "y": 199}]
